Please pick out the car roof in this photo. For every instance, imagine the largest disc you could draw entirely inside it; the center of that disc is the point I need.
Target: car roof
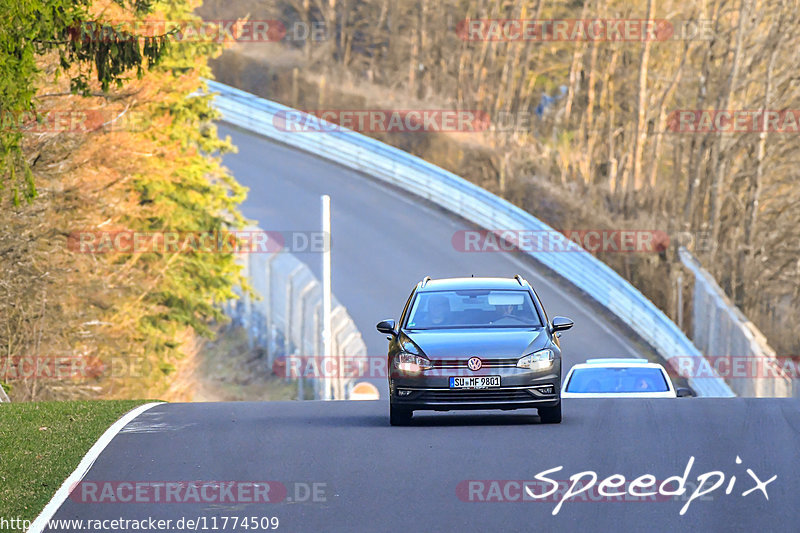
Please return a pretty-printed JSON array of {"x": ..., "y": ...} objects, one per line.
[
  {"x": 607, "y": 360},
  {"x": 447, "y": 284},
  {"x": 617, "y": 363}
]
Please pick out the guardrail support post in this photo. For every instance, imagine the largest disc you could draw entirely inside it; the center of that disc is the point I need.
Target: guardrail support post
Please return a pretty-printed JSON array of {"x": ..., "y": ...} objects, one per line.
[
  {"x": 679, "y": 289},
  {"x": 326, "y": 286}
]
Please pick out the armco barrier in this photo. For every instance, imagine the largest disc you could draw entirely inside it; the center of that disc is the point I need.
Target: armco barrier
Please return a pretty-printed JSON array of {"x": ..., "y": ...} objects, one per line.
[
  {"x": 286, "y": 318},
  {"x": 722, "y": 331},
  {"x": 475, "y": 204}
]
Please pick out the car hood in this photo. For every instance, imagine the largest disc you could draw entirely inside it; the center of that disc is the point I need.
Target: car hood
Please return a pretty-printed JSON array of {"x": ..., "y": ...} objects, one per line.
[
  {"x": 664, "y": 394},
  {"x": 494, "y": 343}
]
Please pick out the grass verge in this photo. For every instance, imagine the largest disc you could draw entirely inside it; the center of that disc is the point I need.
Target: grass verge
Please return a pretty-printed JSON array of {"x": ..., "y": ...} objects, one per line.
[{"x": 41, "y": 443}]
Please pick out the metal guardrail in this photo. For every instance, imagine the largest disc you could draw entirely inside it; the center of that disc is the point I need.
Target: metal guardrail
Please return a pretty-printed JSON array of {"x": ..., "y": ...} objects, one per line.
[
  {"x": 733, "y": 342},
  {"x": 472, "y": 203},
  {"x": 286, "y": 319}
]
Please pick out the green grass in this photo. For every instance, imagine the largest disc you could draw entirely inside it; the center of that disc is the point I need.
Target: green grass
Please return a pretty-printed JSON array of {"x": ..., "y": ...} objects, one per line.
[{"x": 41, "y": 443}]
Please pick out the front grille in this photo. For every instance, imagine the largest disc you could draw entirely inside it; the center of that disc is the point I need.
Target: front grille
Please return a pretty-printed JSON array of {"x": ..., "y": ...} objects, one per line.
[
  {"x": 485, "y": 363},
  {"x": 489, "y": 395}
]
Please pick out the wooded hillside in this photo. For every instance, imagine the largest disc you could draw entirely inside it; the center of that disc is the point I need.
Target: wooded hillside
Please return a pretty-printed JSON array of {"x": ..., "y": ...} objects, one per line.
[
  {"x": 592, "y": 133},
  {"x": 103, "y": 131}
]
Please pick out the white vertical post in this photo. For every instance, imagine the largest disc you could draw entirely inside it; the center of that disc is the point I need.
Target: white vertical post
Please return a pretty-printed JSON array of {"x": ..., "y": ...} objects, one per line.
[
  {"x": 326, "y": 288},
  {"x": 680, "y": 300}
]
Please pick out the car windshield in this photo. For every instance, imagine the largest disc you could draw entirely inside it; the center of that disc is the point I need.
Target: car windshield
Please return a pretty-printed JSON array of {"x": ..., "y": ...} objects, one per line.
[
  {"x": 474, "y": 308},
  {"x": 617, "y": 379}
]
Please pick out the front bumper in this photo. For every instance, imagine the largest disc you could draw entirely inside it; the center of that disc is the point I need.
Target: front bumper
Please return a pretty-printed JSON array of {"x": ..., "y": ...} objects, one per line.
[{"x": 520, "y": 389}]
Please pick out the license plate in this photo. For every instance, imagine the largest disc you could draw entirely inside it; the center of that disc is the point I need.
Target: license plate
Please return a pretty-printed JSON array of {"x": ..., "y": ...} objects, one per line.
[{"x": 474, "y": 382}]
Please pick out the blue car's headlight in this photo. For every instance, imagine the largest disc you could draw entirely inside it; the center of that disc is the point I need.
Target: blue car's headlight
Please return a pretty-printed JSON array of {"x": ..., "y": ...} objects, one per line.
[
  {"x": 541, "y": 360},
  {"x": 410, "y": 363}
]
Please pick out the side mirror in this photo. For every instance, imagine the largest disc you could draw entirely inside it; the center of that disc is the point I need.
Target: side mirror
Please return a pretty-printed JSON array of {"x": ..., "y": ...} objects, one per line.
[
  {"x": 561, "y": 323},
  {"x": 387, "y": 326},
  {"x": 684, "y": 392}
]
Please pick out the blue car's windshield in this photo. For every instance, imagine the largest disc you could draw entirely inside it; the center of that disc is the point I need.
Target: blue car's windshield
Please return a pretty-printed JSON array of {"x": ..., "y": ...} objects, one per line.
[
  {"x": 474, "y": 308},
  {"x": 622, "y": 379}
]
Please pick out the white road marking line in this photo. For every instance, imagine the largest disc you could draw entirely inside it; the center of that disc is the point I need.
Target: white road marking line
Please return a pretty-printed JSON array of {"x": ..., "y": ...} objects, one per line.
[{"x": 86, "y": 463}]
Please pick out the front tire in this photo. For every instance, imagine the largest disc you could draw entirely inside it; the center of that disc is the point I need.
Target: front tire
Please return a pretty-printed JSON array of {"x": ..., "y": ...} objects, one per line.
[
  {"x": 399, "y": 416},
  {"x": 550, "y": 415}
]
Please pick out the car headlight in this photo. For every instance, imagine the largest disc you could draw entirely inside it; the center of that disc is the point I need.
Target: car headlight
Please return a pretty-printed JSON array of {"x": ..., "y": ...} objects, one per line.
[
  {"x": 411, "y": 363},
  {"x": 541, "y": 360}
]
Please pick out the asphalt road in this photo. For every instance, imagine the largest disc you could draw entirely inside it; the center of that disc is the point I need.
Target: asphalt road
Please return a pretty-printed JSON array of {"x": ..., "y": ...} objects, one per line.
[
  {"x": 373, "y": 477},
  {"x": 384, "y": 241}
]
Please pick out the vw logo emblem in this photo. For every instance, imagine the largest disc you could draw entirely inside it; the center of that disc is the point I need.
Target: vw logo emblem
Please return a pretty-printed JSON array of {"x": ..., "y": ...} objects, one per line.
[{"x": 474, "y": 363}]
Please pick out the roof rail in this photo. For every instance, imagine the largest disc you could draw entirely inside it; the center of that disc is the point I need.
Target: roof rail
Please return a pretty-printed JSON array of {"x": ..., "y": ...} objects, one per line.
[
  {"x": 522, "y": 281},
  {"x": 425, "y": 281}
]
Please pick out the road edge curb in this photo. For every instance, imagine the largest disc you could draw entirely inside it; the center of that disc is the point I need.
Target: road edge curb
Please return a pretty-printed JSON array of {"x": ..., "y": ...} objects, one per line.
[{"x": 41, "y": 521}]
